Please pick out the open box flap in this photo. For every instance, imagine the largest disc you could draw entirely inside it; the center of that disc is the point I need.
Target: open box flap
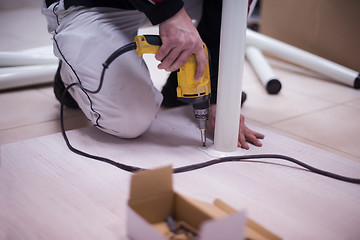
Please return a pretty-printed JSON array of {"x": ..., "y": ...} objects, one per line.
[{"x": 145, "y": 184}]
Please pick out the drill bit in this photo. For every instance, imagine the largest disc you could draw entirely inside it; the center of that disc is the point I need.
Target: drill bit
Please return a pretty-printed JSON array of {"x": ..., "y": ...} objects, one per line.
[
  {"x": 203, "y": 137},
  {"x": 202, "y": 116}
]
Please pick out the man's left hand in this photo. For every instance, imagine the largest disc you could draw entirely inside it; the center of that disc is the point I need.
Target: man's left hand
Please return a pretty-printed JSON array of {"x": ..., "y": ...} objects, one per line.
[{"x": 245, "y": 134}]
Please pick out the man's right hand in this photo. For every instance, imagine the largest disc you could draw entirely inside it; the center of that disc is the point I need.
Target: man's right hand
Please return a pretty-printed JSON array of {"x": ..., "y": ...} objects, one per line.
[{"x": 180, "y": 39}]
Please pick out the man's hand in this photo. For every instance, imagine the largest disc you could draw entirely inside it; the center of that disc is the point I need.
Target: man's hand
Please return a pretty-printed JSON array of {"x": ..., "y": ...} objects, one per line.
[
  {"x": 180, "y": 40},
  {"x": 245, "y": 134}
]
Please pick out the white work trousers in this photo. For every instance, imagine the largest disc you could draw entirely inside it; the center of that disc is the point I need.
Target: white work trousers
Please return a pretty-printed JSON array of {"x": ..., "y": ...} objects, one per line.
[{"x": 83, "y": 39}]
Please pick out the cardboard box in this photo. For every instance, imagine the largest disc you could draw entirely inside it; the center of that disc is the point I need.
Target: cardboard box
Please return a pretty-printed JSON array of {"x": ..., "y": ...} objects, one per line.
[
  {"x": 152, "y": 200},
  {"x": 327, "y": 28}
]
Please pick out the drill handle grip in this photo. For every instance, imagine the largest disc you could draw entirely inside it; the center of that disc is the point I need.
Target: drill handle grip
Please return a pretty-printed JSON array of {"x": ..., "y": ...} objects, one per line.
[{"x": 153, "y": 40}]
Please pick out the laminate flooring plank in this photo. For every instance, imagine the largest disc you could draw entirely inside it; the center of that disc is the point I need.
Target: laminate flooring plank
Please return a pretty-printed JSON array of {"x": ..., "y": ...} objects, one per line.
[{"x": 48, "y": 192}]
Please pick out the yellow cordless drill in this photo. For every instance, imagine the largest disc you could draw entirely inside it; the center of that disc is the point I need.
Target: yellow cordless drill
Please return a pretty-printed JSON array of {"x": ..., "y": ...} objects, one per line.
[{"x": 189, "y": 91}]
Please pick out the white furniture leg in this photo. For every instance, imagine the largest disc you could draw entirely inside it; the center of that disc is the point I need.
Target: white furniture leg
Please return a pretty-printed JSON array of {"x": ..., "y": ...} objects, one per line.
[
  {"x": 231, "y": 64},
  {"x": 263, "y": 70},
  {"x": 302, "y": 58}
]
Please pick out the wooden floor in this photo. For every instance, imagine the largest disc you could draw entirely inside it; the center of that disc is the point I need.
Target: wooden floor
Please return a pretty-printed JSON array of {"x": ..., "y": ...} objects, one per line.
[
  {"x": 48, "y": 192},
  {"x": 311, "y": 118}
]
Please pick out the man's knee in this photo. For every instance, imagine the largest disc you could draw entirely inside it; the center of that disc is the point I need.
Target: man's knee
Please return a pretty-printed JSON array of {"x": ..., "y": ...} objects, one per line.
[
  {"x": 126, "y": 117},
  {"x": 129, "y": 125}
]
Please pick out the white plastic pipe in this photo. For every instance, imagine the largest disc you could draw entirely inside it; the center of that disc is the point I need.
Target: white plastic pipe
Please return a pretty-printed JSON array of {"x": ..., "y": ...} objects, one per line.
[
  {"x": 263, "y": 69},
  {"x": 12, "y": 77},
  {"x": 33, "y": 56},
  {"x": 231, "y": 64},
  {"x": 9, "y": 59},
  {"x": 305, "y": 59}
]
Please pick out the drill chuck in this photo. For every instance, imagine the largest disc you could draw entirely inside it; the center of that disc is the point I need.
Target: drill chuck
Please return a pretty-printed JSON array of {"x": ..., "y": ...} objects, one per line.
[
  {"x": 201, "y": 111},
  {"x": 202, "y": 115}
]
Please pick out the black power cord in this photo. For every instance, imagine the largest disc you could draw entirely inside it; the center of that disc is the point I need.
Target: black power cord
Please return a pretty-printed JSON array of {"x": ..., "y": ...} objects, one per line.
[{"x": 187, "y": 168}]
